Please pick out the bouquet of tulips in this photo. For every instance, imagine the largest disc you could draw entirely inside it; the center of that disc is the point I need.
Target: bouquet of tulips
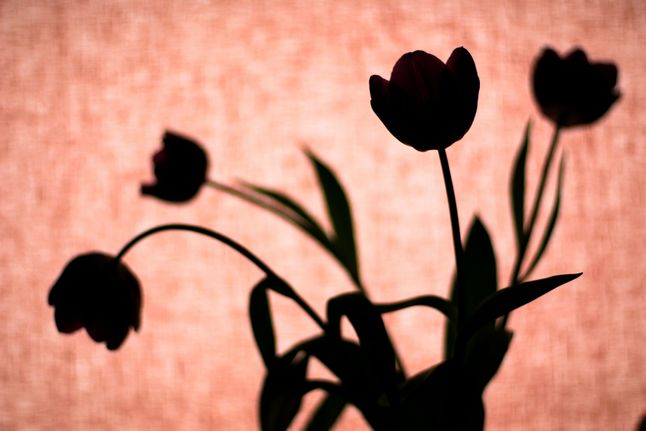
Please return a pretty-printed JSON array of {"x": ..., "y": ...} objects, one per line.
[{"x": 428, "y": 105}]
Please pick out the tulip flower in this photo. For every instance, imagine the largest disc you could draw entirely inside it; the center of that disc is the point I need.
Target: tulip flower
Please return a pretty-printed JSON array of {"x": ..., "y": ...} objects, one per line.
[
  {"x": 180, "y": 169},
  {"x": 100, "y": 293},
  {"x": 427, "y": 104},
  {"x": 572, "y": 91}
]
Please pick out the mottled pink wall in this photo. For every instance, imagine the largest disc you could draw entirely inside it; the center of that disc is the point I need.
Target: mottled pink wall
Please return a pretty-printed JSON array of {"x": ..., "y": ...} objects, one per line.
[{"x": 87, "y": 90}]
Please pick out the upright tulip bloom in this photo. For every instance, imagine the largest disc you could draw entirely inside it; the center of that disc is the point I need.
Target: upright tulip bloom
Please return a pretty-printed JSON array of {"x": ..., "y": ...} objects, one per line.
[
  {"x": 427, "y": 104},
  {"x": 98, "y": 292},
  {"x": 572, "y": 91},
  {"x": 180, "y": 169}
]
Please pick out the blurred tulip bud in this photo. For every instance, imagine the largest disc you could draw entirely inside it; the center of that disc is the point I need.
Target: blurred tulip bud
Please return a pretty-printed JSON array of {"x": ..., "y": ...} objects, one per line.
[
  {"x": 572, "y": 91},
  {"x": 180, "y": 169}
]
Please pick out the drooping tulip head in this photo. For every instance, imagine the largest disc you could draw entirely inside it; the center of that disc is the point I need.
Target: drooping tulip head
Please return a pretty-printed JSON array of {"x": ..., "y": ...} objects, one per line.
[
  {"x": 100, "y": 294},
  {"x": 180, "y": 169}
]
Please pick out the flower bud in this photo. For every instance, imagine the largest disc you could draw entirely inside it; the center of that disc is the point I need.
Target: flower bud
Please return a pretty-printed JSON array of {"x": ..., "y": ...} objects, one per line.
[
  {"x": 99, "y": 293},
  {"x": 572, "y": 91},
  {"x": 180, "y": 169},
  {"x": 427, "y": 104}
]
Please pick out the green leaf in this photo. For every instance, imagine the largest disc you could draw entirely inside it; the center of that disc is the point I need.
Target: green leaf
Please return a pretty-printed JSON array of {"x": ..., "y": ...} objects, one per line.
[
  {"x": 507, "y": 300},
  {"x": 340, "y": 244},
  {"x": 282, "y": 392},
  {"x": 432, "y": 301},
  {"x": 340, "y": 215},
  {"x": 518, "y": 189},
  {"x": 261, "y": 321},
  {"x": 551, "y": 223},
  {"x": 327, "y": 413},
  {"x": 373, "y": 339},
  {"x": 287, "y": 204},
  {"x": 485, "y": 353},
  {"x": 480, "y": 279},
  {"x": 249, "y": 196}
]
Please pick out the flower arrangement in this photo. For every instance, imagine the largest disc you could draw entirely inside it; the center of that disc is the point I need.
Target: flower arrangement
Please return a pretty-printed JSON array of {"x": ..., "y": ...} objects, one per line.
[{"x": 428, "y": 105}]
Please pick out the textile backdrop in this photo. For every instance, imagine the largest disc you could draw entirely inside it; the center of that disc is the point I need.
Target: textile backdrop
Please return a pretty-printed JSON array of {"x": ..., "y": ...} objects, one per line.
[{"x": 88, "y": 89}]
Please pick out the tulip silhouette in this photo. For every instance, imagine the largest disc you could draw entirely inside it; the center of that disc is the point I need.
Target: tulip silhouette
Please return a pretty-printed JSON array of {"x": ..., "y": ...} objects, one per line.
[
  {"x": 427, "y": 104},
  {"x": 572, "y": 91},
  {"x": 97, "y": 292},
  {"x": 180, "y": 169}
]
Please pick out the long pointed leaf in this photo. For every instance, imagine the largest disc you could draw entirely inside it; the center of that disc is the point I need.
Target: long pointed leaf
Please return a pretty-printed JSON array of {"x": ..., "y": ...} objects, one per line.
[
  {"x": 551, "y": 221},
  {"x": 261, "y": 322},
  {"x": 480, "y": 279},
  {"x": 340, "y": 215},
  {"x": 278, "y": 207},
  {"x": 518, "y": 189},
  {"x": 310, "y": 225},
  {"x": 506, "y": 300},
  {"x": 271, "y": 205}
]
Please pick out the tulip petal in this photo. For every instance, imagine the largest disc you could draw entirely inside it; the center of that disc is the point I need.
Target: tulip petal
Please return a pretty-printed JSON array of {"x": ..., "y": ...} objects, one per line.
[
  {"x": 67, "y": 321},
  {"x": 130, "y": 299},
  {"x": 399, "y": 119},
  {"x": 96, "y": 329},
  {"x": 116, "y": 337},
  {"x": 419, "y": 74},
  {"x": 461, "y": 64},
  {"x": 606, "y": 74},
  {"x": 378, "y": 88},
  {"x": 383, "y": 105},
  {"x": 546, "y": 83},
  {"x": 576, "y": 58}
]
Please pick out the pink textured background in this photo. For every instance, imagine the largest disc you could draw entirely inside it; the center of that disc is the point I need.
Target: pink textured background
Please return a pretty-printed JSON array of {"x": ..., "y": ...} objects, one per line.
[{"x": 87, "y": 89}]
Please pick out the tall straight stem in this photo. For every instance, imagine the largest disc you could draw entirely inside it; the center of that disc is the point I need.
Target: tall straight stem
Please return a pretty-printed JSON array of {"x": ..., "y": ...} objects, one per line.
[
  {"x": 527, "y": 231},
  {"x": 455, "y": 228}
]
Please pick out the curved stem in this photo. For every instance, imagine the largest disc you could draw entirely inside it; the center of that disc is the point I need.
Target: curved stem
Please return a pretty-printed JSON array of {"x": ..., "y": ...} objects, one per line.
[
  {"x": 455, "y": 228},
  {"x": 203, "y": 231},
  {"x": 301, "y": 220},
  {"x": 527, "y": 232},
  {"x": 549, "y": 158},
  {"x": 298, "y": 221},
  {"x": 290, "y": 293},
  {"x": 302, "y": 224}
]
